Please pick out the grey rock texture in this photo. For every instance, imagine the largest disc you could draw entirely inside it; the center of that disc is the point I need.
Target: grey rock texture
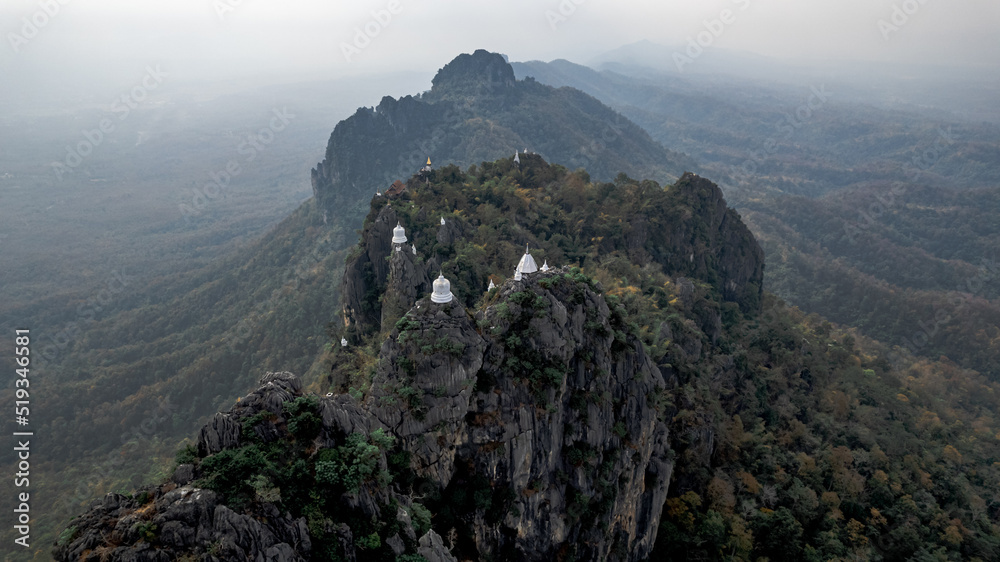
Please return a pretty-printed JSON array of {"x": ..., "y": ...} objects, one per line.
[
  {"x": 701, "y": 237},
  {"x": 432, "y": 548},
  {"x": 542, "y": 397},
  {"x": 406, "y": 281},
  {"x": 367, "y": 272},
  {"x": 474, "y": 96},
  {"x": 168, "y": 522},
  {"x": 542, "y": 403},
  {"x": 223, "y": 432}
]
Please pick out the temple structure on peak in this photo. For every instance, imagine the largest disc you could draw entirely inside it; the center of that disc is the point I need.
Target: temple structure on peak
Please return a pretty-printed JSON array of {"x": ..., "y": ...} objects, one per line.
[
  {"x": 492, "y": 286},
  {"x": 517, "y": 274},
  {"x": 427, "y": 168},
  {"x": 442, "y": 221},
  {"x": 442, "y": 290},
  {"x": 395, "y": 189},
  {"x": 545, "y": 266},
  {"x": 517, "y": 158},
  {"x": 343, "y": 342},
  {"x": 527, "y": 263},
  {"x": 398, "y": 236}
]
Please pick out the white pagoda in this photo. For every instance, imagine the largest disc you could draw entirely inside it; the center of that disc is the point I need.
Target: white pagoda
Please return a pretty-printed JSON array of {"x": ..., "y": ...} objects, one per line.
[
  {"x": 442, "y": 290},
  {"x": 527, "y": 263},
  {"x": 398, "y": 236}
]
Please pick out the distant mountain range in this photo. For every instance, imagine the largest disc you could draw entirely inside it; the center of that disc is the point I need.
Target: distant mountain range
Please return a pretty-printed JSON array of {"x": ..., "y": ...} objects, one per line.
[
  {"x": 476, "y": 111},
  {"x": 192, "y": 341},
  {"x": 878, "y": 219},
  {"x": 645, "y": 406},
  {"x": 195, "y": 343}
]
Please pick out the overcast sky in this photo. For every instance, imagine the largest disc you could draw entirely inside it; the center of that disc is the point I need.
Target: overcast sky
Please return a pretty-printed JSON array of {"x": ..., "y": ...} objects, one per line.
[{"x": 108, "y": 41}]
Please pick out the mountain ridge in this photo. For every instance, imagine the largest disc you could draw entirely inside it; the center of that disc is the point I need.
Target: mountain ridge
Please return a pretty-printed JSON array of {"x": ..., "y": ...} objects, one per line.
[
  {"x": 548, "y": 417},
  {"x": 690, "y": 336},
  {"x": 476, "y": 111}
]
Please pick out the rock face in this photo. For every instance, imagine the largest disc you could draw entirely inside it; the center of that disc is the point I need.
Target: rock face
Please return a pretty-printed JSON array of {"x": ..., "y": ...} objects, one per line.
[
  {"x": 407, "y": 279},
  {"x": 367, "y": 273},
  {"x": 183, "y": 520},
  {"x": 732, "y": 251},
  {"x": 477, "y": 111},
  {"x": 534, "y": 423},
  {"x": 696, "y": 234},
  {"x": 380, "y": 284},
  {"x": 548, "y": 405},
  {"x": 482, "y": 75}
]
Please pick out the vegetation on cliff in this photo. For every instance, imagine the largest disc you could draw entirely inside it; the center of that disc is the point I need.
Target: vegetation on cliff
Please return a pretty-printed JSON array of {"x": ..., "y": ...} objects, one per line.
[{"x": 788, "y": 438}]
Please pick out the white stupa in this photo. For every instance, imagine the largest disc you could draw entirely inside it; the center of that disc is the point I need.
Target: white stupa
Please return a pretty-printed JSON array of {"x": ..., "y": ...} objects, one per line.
[
  {"x": 399, "y": 234},
  {"x": 414, "y": 248},
  {"x": 442, "y": 221},
  {"x": 517, "y": 274},
  {"x": 545, "y": 266},
  {"x": 517, "y": 158},
  {"x": 527, "y": 263},
  {"x": 343, "y": 342},
  {"x": 442, "y": 290},
  {"x": 492, "y": 286}
]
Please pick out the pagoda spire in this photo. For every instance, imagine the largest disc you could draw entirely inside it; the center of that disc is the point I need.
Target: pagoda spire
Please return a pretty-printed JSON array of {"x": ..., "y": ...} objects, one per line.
[{"x": 527, "y": 263}]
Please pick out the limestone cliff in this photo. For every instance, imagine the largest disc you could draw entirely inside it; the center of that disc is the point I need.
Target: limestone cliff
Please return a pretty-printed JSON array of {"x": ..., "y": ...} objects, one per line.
[
  {"x": 530, "y": 427},
  {"x": 524, "y": 422},
  {"x": 477, "y": 111}
]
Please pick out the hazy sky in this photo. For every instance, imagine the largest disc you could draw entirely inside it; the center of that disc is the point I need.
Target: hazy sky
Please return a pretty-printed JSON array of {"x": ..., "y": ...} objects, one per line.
[{"x": 109, "y": 42}]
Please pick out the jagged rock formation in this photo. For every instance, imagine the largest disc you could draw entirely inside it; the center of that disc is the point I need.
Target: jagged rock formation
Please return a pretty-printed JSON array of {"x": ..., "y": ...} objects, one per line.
[
  {"x": 478, "y": 75},
  {"x": 700, "y": 236},
  {"x": 181, "y": 518},
  {"x": 477, "y": 111},
  {"x": 547, "y": 404},
  {"x": 687, "y": 229},
  {"x": 377, "y": 270},
  {"x": 539, "y": 404}
]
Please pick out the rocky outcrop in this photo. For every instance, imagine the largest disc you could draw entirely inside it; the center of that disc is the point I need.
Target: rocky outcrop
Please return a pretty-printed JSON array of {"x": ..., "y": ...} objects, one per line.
[
  {"x": 367, "y": 273},
  {"x": 482, "y": 76},
  {"x": 694, "y": 233},
  {"x": 223, "y": 432},
  {"x": 380, "y": 283},
  {"x": 533, "y": 421},
  {"x": 732, "y": 251},
  {"x": 407, "y": 280},
  {"x": 477, "y": 111},
  {"x": 426, "y": 383},
  {"x": 550, "y": 405},
  {"x": 168, "y": 522}
]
